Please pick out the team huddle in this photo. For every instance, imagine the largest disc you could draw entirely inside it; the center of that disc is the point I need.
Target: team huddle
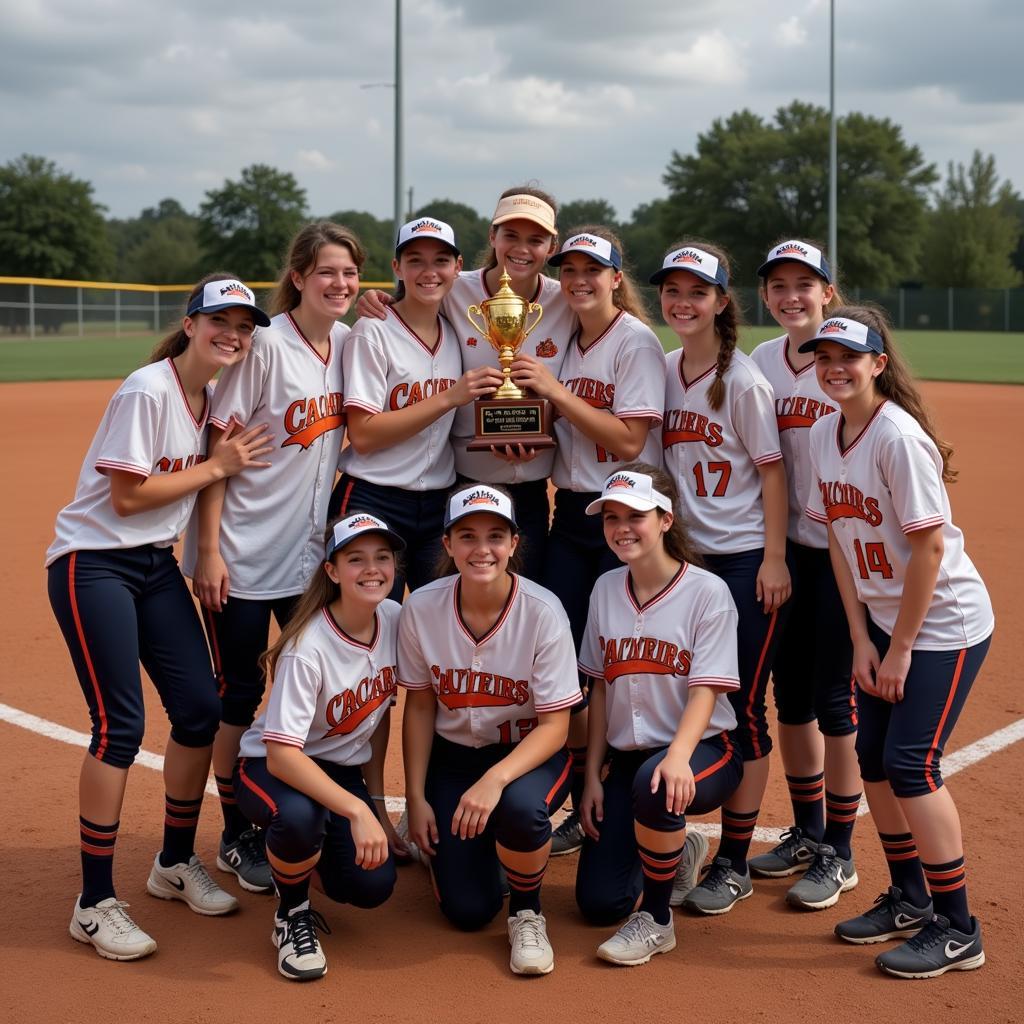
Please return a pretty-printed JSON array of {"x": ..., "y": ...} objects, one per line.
[{"x": 718, "y": 520}]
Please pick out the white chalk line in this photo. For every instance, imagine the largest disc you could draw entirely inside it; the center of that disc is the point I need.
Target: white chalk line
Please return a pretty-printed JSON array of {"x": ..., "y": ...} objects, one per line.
[{"x": 951, "y": 763}]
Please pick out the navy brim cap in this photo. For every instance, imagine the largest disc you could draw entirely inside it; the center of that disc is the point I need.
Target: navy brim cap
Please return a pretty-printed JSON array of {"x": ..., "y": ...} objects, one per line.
[
  {"x": 357, "y": 525},
  {"x": 598, "y": 249},
  {"x": 849, "y": 333},
  {"x": 693, "y": 261},
  {"x": 795, "y": 251},
  {"x": 227, "y": 293},
  {"x": 476, "y": 498}
]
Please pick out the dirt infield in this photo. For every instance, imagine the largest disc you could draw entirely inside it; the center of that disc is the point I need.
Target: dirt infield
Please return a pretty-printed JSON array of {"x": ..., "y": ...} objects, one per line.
[{"x": 402, "y": 962}]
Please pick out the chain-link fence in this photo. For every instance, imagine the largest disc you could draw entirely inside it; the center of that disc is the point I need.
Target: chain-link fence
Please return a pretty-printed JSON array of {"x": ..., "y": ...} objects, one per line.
[{"x": 34, "y": 307}]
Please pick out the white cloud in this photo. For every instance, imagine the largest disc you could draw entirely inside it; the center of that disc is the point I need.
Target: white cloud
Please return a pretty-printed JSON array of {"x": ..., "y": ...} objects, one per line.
[
  {"x": 314, "y": 160},
  {"x": 790, "y": 33}
]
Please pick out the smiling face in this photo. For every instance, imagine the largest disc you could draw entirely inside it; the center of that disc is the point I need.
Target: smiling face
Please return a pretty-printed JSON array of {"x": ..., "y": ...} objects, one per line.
[
  {"x": 689, "y": 304},
  {"x": 364, "y": 569},
  {"x": 632, "y": 534},
  {"x": 222, "y": 338},
  {"x": 523, "y": 248},
  {"x": 428, "y": 269},
  {"x": 796, "y": 297},
  {"x": 330, "y": 285},
  {"x": 480, "y": 546},
  {"x": 847, "y": 376},
  {"x": 588, "y": 286}
]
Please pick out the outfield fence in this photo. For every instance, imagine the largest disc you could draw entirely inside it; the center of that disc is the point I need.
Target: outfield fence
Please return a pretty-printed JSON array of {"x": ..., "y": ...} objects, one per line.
[{"x": 35, "y": 307}]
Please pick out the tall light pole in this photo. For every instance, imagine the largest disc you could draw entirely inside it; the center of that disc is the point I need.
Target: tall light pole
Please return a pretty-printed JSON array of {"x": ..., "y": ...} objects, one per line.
[
  {"x": 833, "y": 253},
  {"x": 399, "y": 156}
]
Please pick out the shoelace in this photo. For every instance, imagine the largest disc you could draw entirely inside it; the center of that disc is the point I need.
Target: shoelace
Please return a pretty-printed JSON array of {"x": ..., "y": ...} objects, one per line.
[
  {"x": 717, "y": 876},
  {"x": 887, "y": 902},
  {"x": 252, "y": 847},
  {"x": 201, "y": 877},
  {"x": 790, "y": 840},
  {"x": 822, "y": 866},
  {"x": 116, "y": 918},
  {"x": 302, "y": 928},
  {"x": 930, "y": 935},
  {"x": 638, "y": 929},
  {"x": 529, "y": 932}
]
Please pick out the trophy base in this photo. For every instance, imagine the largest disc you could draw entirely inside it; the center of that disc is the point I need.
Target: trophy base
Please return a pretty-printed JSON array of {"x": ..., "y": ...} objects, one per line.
[{"x": 525, "y": 421}]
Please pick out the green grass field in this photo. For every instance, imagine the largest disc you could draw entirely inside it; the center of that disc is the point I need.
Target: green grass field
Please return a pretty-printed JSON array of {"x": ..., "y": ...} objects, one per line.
[{"x": 985, "y": 356}]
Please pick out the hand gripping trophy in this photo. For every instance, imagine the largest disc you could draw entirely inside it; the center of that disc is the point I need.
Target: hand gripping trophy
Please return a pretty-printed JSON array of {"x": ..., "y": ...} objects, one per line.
[{"x": 511, "y": 416}]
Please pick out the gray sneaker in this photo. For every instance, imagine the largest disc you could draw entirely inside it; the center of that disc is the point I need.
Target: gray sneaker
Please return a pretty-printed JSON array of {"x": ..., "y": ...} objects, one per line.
[
  {"x": 721, "y": 889},
  {"x": 695, "y": 851},
  {"x": 640, "y": 938},
  {"x": 568, "y": 837},
  {"x": 794, "y": 853},
  {"x": 246, "y": 857},
  {"x": 891, "y": 917},
  {"x": 827, "y": 877}
]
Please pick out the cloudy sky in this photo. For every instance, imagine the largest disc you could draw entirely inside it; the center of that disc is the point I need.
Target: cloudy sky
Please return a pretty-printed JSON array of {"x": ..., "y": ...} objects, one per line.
[{"x": 148, "y": 100}]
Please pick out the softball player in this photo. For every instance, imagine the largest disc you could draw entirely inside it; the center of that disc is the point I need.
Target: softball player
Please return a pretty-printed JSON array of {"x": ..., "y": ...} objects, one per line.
[
  {"x": 921, "y": 622},
  {"x": 119, "y": 598},
  {"x": 608, "y": 395},
  {"x": 812, "y": 671},
  {"x": 522, "y": 237},
  {"x": 404, "y": 381},
  {"x": 259, "y": 537},
  {"x": 721, "y": 447},
  {"x": 312, "y": 765},
  {"x": 661, "y": 653},
  {"x": 490, "y": 671}
]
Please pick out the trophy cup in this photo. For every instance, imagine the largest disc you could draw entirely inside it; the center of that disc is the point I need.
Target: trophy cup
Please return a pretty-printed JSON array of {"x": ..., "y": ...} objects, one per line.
[{"x": 511, "y": 416}]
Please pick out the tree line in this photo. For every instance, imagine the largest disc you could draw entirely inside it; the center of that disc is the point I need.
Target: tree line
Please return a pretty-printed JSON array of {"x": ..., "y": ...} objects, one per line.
[{"x": 750, "y": 181}]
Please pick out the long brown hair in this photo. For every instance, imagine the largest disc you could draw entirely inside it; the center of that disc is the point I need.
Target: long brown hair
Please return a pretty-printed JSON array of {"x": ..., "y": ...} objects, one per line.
[
  {"x": 627, "y": 296},
  {"x": 837, "y": 300},
  {"x": 319, "y": 593},
  {"x": 727, "y": 323},
  {"x": 176, "y": 342},
  {"x": 678, "y": 544},
  {"x": 488, "y": 258},
  {"x": 302, "y": 256},
  {"x": 445, "y": 565},
  {"x": 896, "y": 382}
]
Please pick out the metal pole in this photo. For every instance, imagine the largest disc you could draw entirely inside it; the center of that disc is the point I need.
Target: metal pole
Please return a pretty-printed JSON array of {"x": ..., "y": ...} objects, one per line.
[
  {"x": 31, "y": 310},
  {"x": 79, "y": 297},
  {"x": 833, "y": 246},
  {"x": 399, "y": 184}
]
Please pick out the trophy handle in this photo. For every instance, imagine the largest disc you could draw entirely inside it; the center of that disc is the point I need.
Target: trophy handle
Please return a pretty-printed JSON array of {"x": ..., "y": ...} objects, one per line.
[
  {"x": 482, "y": 326},
  {"x": 534, "y": 307}
]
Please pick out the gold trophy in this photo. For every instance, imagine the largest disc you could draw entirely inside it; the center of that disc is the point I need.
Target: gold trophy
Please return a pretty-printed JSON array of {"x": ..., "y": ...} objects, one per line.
[{"x": 511, "y": 416}]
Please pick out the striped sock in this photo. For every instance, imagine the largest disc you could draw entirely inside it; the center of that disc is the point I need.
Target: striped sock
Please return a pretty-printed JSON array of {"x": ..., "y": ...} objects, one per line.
[
  {"x": 524, "y": 890},
  {"x": 948, "y": 885},
  {"x": 806, "y": 794},
  {"x": 840, "y": 817},
  {"x": 235, "y": 822},
  {"x": 181, "y": 819},
  {"x": 904, "y": 864},
  {"x": 737, "y": 832},
  {"x": 97, "y": 842},
  {"x": 659, "y": 873},
  {"x": 291, "y": 880},
  {"x": 579, "y": 774}
]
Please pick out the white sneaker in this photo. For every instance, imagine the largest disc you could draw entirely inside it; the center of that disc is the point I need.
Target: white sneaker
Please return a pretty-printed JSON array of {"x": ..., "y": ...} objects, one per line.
[
  {"x": 299, "y": 955},
  {"x": 109, "y": 929},
  {"x": 695, "y": 851},
  {"x": 192, "y": 884},
  {"x": 638, "y": 940},
  {"x": 531, "y": 951}
]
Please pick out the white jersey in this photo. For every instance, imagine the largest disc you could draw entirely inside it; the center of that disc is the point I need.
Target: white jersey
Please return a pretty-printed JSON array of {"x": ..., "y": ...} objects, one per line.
[
  {"x": 649, "y": 655},
  {"x": 489, "y": 689},
  {"x": 799, "y": 402},
  {"x": 147, "y": 428},
  {"x": 330, "y": 691},
  {"x": 623, "y": 371},
  {"x": 547, "y": 344},
  {"x": 713, "y": 454},
  {"x": 886, "y": 484},
  {"x": 387, "y": 367},
  {"x": 273, "y": 519}
]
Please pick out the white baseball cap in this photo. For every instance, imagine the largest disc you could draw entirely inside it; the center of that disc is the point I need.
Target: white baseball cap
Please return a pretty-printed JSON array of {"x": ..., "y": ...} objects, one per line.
[
  {"x": 224, "y": 294},
  {"x": 426, "y": 227},
  {"x": 633, "y": 489},
  {"x": 596, "y": 248},
  {"x": 850, "y": 333},
  {"x": 355, "y": 525},
  {"x": 705, "y": 266},
  {"x": 795, "y": 251},
  {"x": 479, "y": 498},
  {"x": 523, "y": 206}
]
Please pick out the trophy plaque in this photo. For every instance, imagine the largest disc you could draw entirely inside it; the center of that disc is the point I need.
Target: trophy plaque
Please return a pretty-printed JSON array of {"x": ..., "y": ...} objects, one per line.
[{"x": 511, "y": 416}]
